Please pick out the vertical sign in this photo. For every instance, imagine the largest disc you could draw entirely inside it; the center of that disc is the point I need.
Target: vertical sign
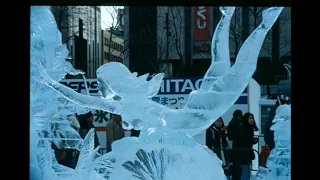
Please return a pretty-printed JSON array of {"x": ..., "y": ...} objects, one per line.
[
  {"x": 264, "y": 116},
  {"x": 201, "y": 23}
]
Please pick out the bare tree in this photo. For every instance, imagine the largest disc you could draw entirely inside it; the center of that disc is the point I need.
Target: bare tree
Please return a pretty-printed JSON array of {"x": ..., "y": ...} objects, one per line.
[
  {"x": 113, "y": 13},
  {"x": 170, "y": 41},
  {"x": 235, "y": 33},
  {"x": 62, "y": 15},
  {"x": 164, "y": 36},
  {"x": 255, "y": 18}
]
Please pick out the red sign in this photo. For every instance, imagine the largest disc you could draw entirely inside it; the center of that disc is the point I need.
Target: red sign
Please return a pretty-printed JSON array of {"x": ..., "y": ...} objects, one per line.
[{"x": 201, "y": 23}]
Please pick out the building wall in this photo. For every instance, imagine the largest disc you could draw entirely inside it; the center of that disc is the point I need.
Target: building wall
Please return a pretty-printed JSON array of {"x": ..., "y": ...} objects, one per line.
[
  {"x": 142, "y": 39},
  {"x": 126, "y": 59},
  {"x": 120, "y": 19},
  {"x": 201, "y": 47},
  {"x": 116, "y": 52},
  {"x": 91, "y": 27},
  {"x": 176, "y": 32}
]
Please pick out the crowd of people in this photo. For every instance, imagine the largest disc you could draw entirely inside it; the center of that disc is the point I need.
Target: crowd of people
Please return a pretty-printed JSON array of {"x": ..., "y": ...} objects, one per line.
[
  {"x": 236, "y": 160},
  {"x": 240, "y": 131},
  {"x": 82, "y": 124}
]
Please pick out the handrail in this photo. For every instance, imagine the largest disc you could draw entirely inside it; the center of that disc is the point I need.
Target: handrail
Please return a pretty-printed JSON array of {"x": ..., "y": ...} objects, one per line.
[{"x": 241, "y": 149}]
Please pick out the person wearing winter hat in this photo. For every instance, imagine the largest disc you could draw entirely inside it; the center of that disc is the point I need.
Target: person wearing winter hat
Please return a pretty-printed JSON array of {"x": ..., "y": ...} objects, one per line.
[
  {"x": 74, "y": 122},
  {"x": 86, "y": 123}
]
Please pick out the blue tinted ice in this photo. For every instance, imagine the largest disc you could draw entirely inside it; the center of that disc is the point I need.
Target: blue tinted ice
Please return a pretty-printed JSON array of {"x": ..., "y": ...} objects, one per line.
[
  {"x": 279, "y": 160},
  {"x": 213, "y": 99},
  {"x": 165, "y": 149}
]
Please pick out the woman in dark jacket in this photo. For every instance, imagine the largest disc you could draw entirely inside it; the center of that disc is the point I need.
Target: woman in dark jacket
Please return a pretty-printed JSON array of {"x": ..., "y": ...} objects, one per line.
[
  {"x": 245, "y": 141},
  {"x": 216, "y": 140}
]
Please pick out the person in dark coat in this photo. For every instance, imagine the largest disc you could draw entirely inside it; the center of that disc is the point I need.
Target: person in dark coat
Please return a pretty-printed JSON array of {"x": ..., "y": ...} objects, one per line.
[
  {"x": 216, "y": 140},
  {"x": 268, "y": 134},
  {"x": 135, "y": 133},
  {"x": 233, "y": 130},
  {"x": 68, "y": 156},
  {"x": 86, "y": 123},
  {"x": 244, "y": 141}
]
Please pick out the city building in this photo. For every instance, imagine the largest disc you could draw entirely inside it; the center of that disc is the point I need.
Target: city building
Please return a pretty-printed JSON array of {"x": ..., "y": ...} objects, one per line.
[
  {"x": 177, "y": 40},
  {"x": 112, "y": 47},
  {"x": 81, "y": 32}
]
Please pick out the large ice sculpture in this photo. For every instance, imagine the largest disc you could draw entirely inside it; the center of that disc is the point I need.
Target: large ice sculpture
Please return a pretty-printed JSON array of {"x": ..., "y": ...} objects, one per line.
[
  {"x": 279, "y": 160},
  {"x": 220, "y": 89},
  {"x": 49, "y": 109},
  {"x": 165, "y": 148}
]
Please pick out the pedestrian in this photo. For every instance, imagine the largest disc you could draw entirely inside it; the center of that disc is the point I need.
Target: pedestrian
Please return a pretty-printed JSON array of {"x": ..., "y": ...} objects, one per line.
[
  {"x": 114, "y": 130},
  {"x": 232, "y": 131},
  {"x": 216, "y": 140},
  {"x": 86, "y": 123},
  {"x": 135, "y": 133},
  {"x": 245, "y": 141},
  {"x": 68, "y": 156}
]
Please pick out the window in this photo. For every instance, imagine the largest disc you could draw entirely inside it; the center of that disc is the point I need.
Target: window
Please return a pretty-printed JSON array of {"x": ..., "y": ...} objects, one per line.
[
  {"x": 105, "y": 41},
  {"x": 111, "y": 44},
  {"x": 105, "y": 55}
]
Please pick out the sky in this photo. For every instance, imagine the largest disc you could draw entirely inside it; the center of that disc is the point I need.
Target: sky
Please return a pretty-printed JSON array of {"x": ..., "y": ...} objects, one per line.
[{"x": 106, "y": 18}]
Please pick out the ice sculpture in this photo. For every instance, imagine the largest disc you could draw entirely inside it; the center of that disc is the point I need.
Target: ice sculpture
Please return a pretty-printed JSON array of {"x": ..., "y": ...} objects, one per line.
[
  {"x": 279, "y": 160},
  {"x": 165, "y": 148},
  {"x": 48, "y": 109},
  {"x": 222, "y": 88}
]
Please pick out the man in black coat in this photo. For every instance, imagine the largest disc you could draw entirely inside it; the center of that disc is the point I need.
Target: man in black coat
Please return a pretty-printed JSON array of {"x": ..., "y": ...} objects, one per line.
[{"x": 233, "y": 131}]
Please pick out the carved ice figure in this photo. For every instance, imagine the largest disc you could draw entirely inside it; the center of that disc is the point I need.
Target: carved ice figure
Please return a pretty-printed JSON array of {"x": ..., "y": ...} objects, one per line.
[
  {"x": 166, "y": 133},
  {"x": 279, "y": 160},
  {"x": 48, "y": 109},
  {"x": 219, "y": 91}
]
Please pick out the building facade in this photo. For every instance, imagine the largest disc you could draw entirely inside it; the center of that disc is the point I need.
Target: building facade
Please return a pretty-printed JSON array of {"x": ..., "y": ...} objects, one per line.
[
  {"x": 81, "y": 31},
  {"x": 112, "y": 47},
  {"x": 177, "y": 40}
]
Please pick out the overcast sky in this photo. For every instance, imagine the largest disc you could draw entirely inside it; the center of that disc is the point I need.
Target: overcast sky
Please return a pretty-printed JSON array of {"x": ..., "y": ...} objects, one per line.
[{"x": 106, "y": 18}]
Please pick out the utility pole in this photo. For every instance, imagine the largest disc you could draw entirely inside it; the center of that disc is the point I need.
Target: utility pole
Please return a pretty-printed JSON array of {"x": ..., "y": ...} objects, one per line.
[
  {"x": 167, "y": 50},
  {"x": 95, "y": 42}
]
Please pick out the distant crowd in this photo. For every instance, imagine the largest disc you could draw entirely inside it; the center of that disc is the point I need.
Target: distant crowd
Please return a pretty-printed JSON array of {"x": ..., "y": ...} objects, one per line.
[
  {"x": 82, "y": 124},
  {"x": 236, "y": 160}
]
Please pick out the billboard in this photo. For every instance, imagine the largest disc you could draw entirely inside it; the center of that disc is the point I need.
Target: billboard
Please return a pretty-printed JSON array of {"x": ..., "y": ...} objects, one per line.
[{"x": 201, "y": 23}]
